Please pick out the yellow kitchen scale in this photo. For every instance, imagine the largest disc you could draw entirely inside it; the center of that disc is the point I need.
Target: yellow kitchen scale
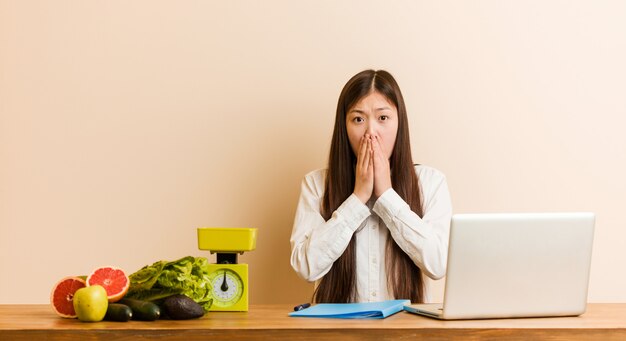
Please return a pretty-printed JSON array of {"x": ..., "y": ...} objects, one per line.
[{"x": 227, "y": 278}]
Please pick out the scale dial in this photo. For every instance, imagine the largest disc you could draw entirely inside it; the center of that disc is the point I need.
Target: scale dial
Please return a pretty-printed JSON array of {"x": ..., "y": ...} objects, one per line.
[{"x": 227, "y": 287}]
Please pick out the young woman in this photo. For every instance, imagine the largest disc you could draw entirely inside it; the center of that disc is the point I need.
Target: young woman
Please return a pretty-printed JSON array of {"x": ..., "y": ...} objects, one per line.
[{"x": 370, "y": 226}]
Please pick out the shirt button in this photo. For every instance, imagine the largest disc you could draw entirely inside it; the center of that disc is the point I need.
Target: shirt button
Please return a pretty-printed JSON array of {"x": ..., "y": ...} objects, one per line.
[
  {"x": 374, "y": 260},
  {"x": 373, "y": 293}
]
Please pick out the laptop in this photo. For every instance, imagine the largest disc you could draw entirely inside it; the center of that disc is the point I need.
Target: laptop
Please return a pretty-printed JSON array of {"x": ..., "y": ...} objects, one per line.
[{"x": 506, "y": 265}]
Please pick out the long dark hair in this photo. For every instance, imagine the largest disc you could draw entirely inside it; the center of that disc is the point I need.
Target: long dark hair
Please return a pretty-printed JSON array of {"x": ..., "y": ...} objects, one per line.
[{"x": 404, "y": 278}]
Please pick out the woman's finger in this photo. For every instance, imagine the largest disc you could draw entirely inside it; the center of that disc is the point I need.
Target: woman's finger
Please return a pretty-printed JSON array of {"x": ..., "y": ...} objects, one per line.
[
  {"x": 382, "y": 175},
  {"x": 364, "y": 182},
  {"x": 376, "y": 147},
  {"x": 367, "y": 157},
  {"x": 361, "y": 154}
]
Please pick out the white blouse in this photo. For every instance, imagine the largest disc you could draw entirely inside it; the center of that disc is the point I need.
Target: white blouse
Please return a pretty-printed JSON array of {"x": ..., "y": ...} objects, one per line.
[{"x": 316, "y": 243}]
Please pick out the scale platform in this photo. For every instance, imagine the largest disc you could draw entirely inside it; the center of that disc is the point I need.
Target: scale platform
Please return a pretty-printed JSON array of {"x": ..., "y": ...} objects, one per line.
[{"x": 227, "y": 239}]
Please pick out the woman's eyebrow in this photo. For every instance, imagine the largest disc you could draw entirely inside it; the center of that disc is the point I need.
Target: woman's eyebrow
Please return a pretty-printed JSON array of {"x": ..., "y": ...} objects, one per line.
[{"x": 361, "y": 111}]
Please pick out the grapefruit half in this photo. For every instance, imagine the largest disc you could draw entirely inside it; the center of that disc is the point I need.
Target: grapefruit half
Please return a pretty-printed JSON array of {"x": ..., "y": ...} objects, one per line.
[
  {"x": 113, "y": 279},
  {"x": 62, "y": 296}
]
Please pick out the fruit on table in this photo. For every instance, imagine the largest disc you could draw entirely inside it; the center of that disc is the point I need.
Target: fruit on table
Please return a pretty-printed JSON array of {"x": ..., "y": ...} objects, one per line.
[
  {"x": 142, "y": 310},
  {"x": 113, "y": 279},
  {"x": 62, "y": 296},
  {"x": 91, "y": 303},
  {"x": 181, "y": 307},
  {"x": 118, "y": 312}
]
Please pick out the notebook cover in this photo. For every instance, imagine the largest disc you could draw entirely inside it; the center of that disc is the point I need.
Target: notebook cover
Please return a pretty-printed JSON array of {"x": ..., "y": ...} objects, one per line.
[{"x": 376, "y": 310}]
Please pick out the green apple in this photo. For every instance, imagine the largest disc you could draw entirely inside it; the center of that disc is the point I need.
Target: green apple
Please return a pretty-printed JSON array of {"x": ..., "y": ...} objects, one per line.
[{"x": 91, "y": 303}]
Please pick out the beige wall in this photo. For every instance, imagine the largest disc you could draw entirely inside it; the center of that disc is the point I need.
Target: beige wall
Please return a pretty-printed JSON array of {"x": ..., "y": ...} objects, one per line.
[{"x": 124, "y": 125}]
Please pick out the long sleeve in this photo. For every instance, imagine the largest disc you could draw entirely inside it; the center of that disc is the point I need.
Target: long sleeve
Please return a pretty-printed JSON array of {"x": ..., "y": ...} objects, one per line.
[
  {"x": 424, "y": 239},
  {"x": 315, "y": 243}
]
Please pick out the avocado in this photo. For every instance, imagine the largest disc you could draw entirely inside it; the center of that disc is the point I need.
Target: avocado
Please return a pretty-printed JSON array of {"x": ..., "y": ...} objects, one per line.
[{"x": 181, "y": 307}]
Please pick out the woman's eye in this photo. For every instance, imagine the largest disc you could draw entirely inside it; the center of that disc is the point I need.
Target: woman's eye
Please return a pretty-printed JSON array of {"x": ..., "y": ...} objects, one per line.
[
  {"x": 358, "y": 119},
  {"x": 383, "y": 118}
]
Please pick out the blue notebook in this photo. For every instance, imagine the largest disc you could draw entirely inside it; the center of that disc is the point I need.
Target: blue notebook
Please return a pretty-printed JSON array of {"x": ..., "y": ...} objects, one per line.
[{"x": 371, "y": 310}]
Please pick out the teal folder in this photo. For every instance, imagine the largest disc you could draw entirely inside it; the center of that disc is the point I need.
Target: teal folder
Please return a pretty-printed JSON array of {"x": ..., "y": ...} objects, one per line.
[{"x": 371, "y": 310}]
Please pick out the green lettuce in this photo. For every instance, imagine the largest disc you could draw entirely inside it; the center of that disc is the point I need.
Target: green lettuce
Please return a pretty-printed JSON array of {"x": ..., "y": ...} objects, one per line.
[{"x": 187, "y": 276}]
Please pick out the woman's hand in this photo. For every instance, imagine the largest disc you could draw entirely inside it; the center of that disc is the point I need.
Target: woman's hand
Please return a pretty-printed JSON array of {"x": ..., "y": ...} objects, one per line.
[
  {"x": 382, "y": 171},
  {"x": 364, "y": 182}
]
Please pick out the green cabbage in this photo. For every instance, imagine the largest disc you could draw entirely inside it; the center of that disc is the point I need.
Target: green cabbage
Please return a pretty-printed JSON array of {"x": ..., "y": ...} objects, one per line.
[{"x": 187, "y": 276}]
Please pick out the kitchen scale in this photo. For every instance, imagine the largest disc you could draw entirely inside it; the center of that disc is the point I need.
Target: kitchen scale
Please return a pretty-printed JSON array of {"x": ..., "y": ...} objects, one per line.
[{"x": 228, "y": 279}]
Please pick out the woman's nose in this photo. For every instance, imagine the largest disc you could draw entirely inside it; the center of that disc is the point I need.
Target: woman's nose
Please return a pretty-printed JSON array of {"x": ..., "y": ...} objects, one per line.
[{"x": 371, "y": 129}]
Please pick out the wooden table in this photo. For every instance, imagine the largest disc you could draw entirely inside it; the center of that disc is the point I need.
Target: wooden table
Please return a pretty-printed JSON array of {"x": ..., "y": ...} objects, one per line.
[{"x": 270, "y": 322}]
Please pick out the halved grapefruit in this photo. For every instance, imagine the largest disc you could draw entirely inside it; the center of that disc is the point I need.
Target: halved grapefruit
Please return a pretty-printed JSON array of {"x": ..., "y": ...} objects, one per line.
[
  {"x": 62, "y": 295},
  {"x": 113, "y": 279}
]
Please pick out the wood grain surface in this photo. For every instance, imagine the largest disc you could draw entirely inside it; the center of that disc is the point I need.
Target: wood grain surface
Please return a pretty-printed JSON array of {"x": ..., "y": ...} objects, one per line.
[{"x": 270, "y": 322}]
